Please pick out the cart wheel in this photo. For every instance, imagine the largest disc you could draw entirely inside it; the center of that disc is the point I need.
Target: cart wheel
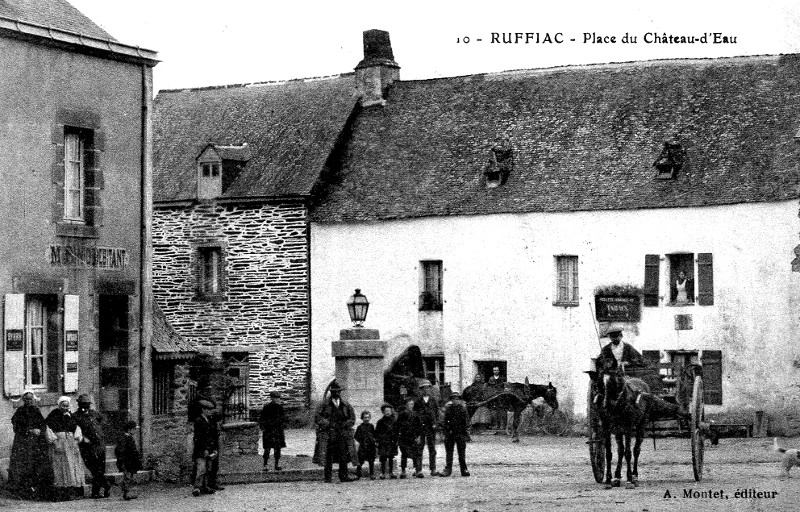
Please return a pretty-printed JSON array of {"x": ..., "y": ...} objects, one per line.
[
  {"x": 697, "y": 429},
  {"x": 556, "y": 422},
  {"x": 597, "y": 443}
]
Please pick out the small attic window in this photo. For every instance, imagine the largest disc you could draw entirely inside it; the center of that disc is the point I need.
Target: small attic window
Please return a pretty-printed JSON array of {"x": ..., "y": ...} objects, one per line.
[
  {"x": 500, "y": 164},
  {"x": 218, "y": 166},
  {"x": 210, "y": 169},
  {"x": 670, "y": 161}
]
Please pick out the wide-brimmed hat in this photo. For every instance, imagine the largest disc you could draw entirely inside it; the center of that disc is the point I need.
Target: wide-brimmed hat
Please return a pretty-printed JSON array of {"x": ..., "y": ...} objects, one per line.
[
  {"x": 385, "y": 406},
  {"x": 613, "y": 329},
  {"x": 274, "y": 394},
  {"x": 84, "y": 399},
  {"x": 455, "y": 395},
  {"x": 335, "y": 386},
  {"x": 424, "y": 383},
  {"x": 206, "y": 404}
]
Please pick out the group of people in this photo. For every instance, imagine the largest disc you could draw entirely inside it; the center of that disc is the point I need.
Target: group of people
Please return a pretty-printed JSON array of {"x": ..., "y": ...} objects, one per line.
[
  {"x": 409, "y": 432},
  {"x": 49, "y": 456}
]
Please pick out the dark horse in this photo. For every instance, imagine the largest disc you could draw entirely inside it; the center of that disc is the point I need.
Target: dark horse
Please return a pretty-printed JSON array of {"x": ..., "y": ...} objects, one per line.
[
  {"x": 510, "y": 397},
  {"x": 625, "y": 405}
]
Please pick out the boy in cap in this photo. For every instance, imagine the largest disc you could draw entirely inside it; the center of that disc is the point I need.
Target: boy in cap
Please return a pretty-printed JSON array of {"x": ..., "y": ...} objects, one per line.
[
  {"x": 409, "y": 438},
  {"x": 93, "y": 446},
  {"x": 206, "y": 450},
  {"x": 386, "y": 440},
  {"x": 272, "y": 422},
  {"x": 129, "y": 460},
  {"x": 456, "y": 432},
  {"x": 428, "y": 411}
]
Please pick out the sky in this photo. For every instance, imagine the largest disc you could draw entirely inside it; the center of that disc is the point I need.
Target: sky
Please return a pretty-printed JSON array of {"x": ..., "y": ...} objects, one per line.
[{"x": 205, "y": 43}]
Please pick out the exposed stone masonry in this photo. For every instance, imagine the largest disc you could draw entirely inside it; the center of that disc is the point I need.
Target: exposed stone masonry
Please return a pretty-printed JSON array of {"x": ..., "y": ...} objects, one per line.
[{"x": 264, "y": 302}]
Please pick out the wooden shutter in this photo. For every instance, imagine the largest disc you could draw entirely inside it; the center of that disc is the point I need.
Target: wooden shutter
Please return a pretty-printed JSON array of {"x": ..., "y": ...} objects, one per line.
[
  {"x": 705, "y": 279},
  {"x": 14, "y": 344},
  {"x": 71, "y": 337},
  {"x": 712, "y": 376},
  {"x": 651, "y": 266}
]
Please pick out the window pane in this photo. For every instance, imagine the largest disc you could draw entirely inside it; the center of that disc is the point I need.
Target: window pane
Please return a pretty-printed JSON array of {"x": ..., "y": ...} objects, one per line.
[{"x": 35, "y": 334}]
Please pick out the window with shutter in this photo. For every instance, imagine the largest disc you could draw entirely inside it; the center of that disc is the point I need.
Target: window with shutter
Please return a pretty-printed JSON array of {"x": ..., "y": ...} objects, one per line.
[
  {"x": 705, "y": 279},
  {"x": 651, "y": 273},
  {"x": 712, "y": 376},
  {"x": 430, "y": 297},
  {"x": 567, "y": 281}
]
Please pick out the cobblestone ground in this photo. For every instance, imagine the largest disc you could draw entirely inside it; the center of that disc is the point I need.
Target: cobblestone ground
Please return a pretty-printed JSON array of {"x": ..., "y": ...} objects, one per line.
[{"x": 540, "y": 473}]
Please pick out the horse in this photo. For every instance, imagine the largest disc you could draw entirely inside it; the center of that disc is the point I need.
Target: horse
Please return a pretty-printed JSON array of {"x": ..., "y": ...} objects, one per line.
[
  {"x": 511, "y": 397},
  {"x": 625, "y": 405}
]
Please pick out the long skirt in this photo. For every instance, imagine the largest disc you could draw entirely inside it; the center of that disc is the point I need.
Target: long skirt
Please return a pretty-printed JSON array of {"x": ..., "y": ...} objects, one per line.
[
  {"x": 29, "y": 466},
  {"x": 67, "y": 462}
]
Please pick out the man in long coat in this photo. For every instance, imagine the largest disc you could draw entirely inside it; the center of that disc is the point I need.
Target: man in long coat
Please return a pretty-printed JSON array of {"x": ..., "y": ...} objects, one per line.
[
  {"x": 335, "y": 419},
  {"x": 272, "y": 422},
  {"x": 456, "y": 433},
  {"x": 428, "y": 411},
  {"x": 206, "y": 451},
  {"x": 93, "y": 446}
]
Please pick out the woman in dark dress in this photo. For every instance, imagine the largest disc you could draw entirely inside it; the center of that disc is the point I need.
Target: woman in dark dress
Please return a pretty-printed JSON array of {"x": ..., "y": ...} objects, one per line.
[{"x": 29, "y": 472}]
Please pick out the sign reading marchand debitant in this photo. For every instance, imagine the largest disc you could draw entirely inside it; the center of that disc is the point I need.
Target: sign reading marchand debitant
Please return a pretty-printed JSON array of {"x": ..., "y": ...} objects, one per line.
[
  {"x": 619, "y": 308},
  {"x": 105, "y": 258}
]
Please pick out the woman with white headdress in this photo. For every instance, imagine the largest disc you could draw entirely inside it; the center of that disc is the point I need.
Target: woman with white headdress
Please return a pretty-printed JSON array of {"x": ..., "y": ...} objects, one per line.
[
  {"x": 29, "y": 471},
  {"x": 68, "y": 476}
]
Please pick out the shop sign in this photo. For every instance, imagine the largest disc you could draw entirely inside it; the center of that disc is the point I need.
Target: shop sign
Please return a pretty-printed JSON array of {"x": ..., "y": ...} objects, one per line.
[
  {"x": 104, "y": 258},
  {"x": 14, "y": 339},
  {"x": 620, "y": 308}
]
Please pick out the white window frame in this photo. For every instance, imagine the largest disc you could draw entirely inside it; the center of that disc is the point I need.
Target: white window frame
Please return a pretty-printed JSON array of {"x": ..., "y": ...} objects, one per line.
[
  {"x": 567, "y": 289},
  {"x": 210, "y": 260},
  {"x": 431, "y": 282},
  {"x": 35, "y": 323},
  {"x": 74, "y": 164}
]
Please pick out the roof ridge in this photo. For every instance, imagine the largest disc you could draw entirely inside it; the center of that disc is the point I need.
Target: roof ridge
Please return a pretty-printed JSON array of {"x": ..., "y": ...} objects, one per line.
[
  {"x": 604, "y": 65},
  {"x": 265, "y": 83}
]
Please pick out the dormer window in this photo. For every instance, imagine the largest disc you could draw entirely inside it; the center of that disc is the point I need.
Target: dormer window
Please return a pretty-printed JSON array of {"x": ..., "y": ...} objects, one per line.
[
  {"x": 218, "y": 166},
  {"x": 670, "y": 161},
  {"x": 500, "y": 164}
]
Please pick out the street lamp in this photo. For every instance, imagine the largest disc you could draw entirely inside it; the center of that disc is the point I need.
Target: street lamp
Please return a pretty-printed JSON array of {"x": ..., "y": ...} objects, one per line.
[{"x": 357, "y": 306}]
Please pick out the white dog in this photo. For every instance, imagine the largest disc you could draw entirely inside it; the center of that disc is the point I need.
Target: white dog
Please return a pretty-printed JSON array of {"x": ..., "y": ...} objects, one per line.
[{"x": 791, "y": 457}]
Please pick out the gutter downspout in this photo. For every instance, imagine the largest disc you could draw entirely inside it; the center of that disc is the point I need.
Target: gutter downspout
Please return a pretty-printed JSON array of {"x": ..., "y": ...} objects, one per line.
[{"x": 145, "y": 290}]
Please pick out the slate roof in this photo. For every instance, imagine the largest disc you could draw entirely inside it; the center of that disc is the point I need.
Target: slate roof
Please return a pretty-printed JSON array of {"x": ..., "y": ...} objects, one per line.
[
  {"x": 584, "y": 138},
  {"x": 290, "y": 129},
  {"x": 166, "y": 341},
  {"x": 57, "y": 14}
]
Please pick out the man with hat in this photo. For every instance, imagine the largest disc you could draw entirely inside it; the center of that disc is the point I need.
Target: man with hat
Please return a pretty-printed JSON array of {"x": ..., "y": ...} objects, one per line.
[
  {"x": 93, "y": 446},
  {"x": 456, "y": 433},
  {"x": 206, "y": 450},
  {"x": 428, "y": 411},
  {"x": 618, "y": 354},
  {"x": 335, "y": 420},
  {"x": 272, "y": 421}
]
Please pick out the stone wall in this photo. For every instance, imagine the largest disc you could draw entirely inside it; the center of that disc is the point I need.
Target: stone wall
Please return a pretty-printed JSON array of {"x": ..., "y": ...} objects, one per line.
[
  {"x": 264, "y": 305},
  {"x": 169, "y": 454}
]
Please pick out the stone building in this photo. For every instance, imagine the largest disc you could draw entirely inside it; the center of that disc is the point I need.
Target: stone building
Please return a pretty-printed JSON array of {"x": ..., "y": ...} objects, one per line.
[
  {"x": 76, "y": 199},
  {"x": 234, "y": 169},
  {"x": 486, "y": 212}
]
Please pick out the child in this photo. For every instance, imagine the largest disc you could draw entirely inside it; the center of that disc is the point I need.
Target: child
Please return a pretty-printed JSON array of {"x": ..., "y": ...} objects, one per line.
[
  {"x": 365, "y": 435},
  {"x": 272, "y": 422},
  {"x": 409, "y": 432},
  {"x": 456, "y": 433},
  {"x": 129, "y": 460},
  {"x": 386, "y": 439}
]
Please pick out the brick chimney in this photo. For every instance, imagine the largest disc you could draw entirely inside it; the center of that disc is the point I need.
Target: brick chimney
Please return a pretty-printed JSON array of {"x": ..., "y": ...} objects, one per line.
[{"x": 378, "y": 70}]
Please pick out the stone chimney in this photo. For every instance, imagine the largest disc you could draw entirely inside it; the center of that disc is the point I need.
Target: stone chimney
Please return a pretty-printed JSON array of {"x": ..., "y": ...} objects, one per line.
[{"x": 378, "y": 70}]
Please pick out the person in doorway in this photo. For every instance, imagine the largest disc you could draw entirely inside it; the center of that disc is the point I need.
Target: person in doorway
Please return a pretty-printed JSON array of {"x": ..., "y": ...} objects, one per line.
[
  {"x": 496, "y": 384},
  {"x": 456, "y": 433},
  {"x": 206, "y": 451},
  {"x": 129, "y": 460},
  {"x": 273, "y": 422},
  {"x": 68, "y": 473},
  {"x": 335, "y": 420},
  {"x": 682, "y": 291},
  {"x": 428, "y": 411},
  {"x": 93, "y": 445},
  {"x": 30, "y": 471},
  {"x": 496, "y": 379}
]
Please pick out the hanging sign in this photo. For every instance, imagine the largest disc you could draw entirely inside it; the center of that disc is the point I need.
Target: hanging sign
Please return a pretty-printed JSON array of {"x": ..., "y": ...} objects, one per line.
[{"x": 622, "y": 308}]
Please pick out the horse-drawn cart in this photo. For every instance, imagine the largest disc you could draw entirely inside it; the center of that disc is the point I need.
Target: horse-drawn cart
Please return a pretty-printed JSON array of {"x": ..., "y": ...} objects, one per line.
[{"x": 662, "y": 398}]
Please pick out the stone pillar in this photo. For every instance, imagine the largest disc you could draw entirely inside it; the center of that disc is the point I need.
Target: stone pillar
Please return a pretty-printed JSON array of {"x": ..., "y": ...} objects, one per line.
[{"x": 359, "y": 355}]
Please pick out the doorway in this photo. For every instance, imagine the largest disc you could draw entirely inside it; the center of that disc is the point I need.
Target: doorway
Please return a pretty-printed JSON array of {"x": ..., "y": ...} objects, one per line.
[{"x": 114, "y": 378}]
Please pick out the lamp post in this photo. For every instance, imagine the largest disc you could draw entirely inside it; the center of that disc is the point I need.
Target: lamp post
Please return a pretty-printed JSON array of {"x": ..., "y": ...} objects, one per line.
[{"x": 357, "y": 306}]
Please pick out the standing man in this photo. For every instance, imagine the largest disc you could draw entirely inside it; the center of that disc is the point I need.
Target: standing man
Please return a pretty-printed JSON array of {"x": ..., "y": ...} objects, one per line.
[
  {"x": 335, "y": 420},
  {"x": 428, "y": 411},
  {"x": 93, "y": 446},
  {"x": 496, "y": 379},
  {"x": 456, "y": 432},
  {"x": 206, "y": 450},
  {"x": 496, "y": 384},
  {"x": 272, "y": 422}
]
